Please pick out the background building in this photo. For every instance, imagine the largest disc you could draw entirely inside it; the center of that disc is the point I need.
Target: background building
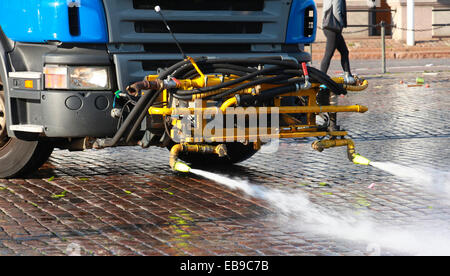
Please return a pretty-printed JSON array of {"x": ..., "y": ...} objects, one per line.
[{"x": 432, "y": 18}]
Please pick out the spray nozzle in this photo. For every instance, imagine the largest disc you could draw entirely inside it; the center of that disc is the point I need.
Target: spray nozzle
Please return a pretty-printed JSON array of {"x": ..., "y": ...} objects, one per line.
[
  {"x": 181, "y": 167},
  {"x": 360, "y": 160}
]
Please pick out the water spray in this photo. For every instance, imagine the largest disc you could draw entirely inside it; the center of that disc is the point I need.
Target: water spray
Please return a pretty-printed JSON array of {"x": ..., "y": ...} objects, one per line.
[{"x": 295, "y": 207}]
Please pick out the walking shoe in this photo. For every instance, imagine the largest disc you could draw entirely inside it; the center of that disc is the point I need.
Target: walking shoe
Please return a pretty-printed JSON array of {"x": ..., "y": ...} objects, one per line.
[{"x": 349, "y": 79}]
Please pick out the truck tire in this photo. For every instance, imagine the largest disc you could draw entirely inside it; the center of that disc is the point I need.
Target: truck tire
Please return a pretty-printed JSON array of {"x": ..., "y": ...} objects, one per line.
[
  {"x": 237, "y": 152},
  {"x": 18, "y": 157}
]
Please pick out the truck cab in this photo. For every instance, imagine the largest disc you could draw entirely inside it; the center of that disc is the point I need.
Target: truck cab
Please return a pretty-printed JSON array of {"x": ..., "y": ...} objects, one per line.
[{"x": 62, "y": 62}]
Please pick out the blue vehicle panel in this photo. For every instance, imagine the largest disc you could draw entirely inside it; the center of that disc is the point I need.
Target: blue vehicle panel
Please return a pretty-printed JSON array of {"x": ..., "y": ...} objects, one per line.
[
  {"x": 48, "y": 20},
  {"x": 296, "y": 25}
]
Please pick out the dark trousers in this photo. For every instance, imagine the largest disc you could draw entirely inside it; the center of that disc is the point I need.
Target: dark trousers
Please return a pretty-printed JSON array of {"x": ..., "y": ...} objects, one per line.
[{"x": 335, "y": 40}]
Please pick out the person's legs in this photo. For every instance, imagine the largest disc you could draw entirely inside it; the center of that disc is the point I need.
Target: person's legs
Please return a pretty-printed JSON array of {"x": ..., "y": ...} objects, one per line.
[
  {"x": 343, "y": 50},
  {"x": 332, "y": 45},
  {"x": 345, "y": 60},
  {"x": 329, "y": 50}
]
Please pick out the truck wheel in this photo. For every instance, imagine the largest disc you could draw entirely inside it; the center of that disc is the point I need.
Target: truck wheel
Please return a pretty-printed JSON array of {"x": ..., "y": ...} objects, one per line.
[
  {"x": 18, "y": 157},
  {"x": 237, "y": 152}
]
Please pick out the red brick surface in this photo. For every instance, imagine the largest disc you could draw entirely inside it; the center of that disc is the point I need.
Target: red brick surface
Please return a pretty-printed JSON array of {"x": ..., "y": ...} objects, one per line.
[{"x": 127, "y": 201}]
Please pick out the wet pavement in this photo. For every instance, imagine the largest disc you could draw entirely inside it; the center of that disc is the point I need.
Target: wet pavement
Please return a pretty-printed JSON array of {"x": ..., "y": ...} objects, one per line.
[{"x": 128, "y": 202}]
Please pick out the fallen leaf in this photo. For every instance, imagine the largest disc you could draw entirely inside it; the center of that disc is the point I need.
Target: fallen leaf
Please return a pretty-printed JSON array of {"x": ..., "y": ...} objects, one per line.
[
  {"x": 323, "y": 184},
  {"x": 63, "y": 194},
  {"x": 167, "y": 191},
  {"x": 363, "y": 202}
]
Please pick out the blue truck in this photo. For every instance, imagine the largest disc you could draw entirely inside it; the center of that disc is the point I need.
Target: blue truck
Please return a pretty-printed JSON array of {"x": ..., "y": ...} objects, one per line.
[{"x": 65, "y": 63}]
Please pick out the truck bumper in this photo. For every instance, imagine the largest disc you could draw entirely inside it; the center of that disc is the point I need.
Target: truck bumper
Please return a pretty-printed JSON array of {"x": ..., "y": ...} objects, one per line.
[{"x": 62, "y": 114}]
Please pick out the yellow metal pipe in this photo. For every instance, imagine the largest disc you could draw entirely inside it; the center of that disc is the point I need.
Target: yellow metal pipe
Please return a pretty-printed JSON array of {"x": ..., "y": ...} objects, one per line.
[
  {"x": 219, "y": 150},
  {"x": 228, "y": 103},
  {"x": 326, "y": 144},
  {"x": 281, "y": 110},
  {"x": 357, "y": 88},
  {"x": 282, "y": 135},
  {"x": 354, "y": 88},
  {"x": 165, "y": 111},
  {"x": 174, "y": 152},
  {"x": 351, "y": 152}
]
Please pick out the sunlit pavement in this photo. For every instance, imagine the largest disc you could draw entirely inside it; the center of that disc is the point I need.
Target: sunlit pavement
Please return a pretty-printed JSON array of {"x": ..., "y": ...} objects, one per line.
[{"x": 128, "y": 202}]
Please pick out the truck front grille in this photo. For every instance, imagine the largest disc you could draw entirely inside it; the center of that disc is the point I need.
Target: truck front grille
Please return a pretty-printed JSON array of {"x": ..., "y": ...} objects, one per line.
[
  {"x": 201, "y": 5},
  {"x": 197, "y": 48},
  {"x": 198, "y": 21},
  {"x": 193, "y": 27}
]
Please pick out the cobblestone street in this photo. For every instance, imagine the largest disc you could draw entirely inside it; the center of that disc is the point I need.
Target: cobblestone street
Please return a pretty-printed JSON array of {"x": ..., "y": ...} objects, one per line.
[{"x": 127, "y": 201}]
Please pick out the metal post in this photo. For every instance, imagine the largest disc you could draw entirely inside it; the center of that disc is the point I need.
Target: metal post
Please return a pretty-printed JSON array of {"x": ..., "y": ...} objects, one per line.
[
  {"x": 383, "y": 47},
  {"x": 410, "y": 39},
  {"x": 311, "y": 53}
]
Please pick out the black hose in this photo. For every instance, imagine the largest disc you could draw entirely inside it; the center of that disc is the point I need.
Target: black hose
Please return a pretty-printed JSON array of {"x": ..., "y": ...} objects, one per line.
[
  {"x": 320, "y": 77},
  {"x": 190, "y": 72},
  {"x": 275, "y": 60},
  {"x": 137, "y": 110},
  {"x": 178, "y": 66},
  {"x": 140, "y": 107},
  {"x": 290, "y": 68},
  {"x": 234, "y": 67},
  {"x": 141, "y": 117},
  {"x": 285, "y": 63},
  {"x": 148, "y": 102},
  {"x": 249, "y": 100}
]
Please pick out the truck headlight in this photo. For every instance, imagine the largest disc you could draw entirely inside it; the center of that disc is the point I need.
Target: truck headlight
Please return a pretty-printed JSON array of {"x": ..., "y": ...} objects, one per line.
[{"x": 77, "y": 77}]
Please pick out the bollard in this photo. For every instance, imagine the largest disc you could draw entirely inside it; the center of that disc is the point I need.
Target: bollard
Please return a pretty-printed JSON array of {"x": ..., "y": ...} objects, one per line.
[
  {"x": 383, "y": 47},
  {"x": 311, "y": 53}
]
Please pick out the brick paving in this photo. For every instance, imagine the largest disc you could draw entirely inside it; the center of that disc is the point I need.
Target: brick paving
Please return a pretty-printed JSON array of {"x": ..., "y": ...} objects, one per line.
[
  {"x": 128, "y": 202},
  {"x": 370, "y": 48}
]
